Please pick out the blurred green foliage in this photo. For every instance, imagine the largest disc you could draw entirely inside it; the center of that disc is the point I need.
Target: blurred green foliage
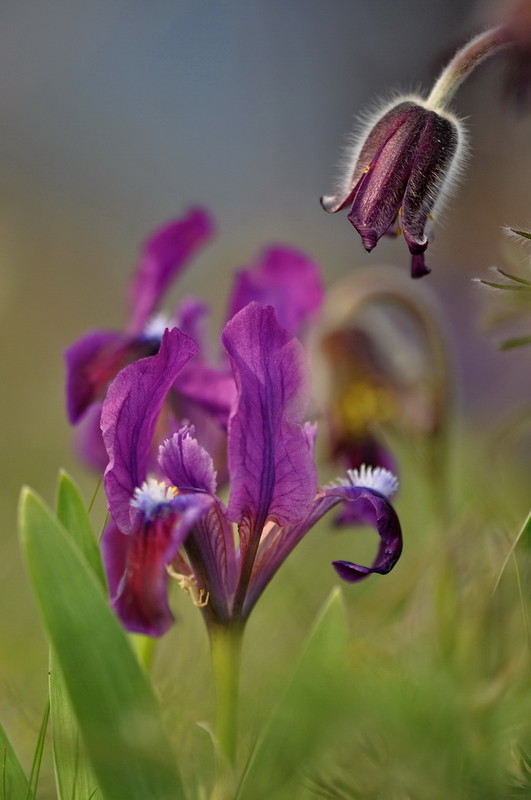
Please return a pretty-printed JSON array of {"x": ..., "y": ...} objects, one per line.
[{"x": 434, "y": 699}]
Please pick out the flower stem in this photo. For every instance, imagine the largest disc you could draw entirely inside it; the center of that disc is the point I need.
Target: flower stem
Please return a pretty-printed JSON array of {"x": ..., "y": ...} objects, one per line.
[
  {"x": 225, "y": 649},
  {"x": 144, "y": 647},
  {"x": 465, "y": 60}
]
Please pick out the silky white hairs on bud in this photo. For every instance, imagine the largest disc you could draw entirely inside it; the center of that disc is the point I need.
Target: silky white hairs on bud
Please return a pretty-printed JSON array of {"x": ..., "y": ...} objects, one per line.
[{"x": 356, "y": 139}]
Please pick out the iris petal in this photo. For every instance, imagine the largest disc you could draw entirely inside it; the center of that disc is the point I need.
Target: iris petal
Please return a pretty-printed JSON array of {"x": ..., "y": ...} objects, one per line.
[{"x": 130, "y": 411}]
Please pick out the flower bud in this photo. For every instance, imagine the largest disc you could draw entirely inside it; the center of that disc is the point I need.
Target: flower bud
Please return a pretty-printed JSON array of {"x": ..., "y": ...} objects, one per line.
[{"x": 399, "y": 175}]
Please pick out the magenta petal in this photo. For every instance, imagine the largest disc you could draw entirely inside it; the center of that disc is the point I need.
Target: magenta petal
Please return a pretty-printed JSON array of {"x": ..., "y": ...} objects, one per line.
[
  {"x": 283, "y": 278},
  {"x": 89, "y": 441},
  {"x": 163, "y": 256},
  {"x": 114, "y": 545},
  {"x": 210, "y": 389},
  {"x": 270, "y": 462},
  {"x": 129, "y": 415},
  {"x": 191, "y": 318},
  {"x": 188, "y": 465},
  {"x": 91, "y": 363}
]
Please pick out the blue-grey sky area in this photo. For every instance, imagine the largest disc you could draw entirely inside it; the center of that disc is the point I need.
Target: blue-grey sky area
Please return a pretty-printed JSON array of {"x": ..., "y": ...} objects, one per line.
[{"x": 117, "y": 115}]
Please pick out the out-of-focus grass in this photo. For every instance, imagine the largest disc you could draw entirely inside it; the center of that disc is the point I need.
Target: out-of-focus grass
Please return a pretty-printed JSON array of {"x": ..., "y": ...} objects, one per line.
[{"x": 436, "y": 700}]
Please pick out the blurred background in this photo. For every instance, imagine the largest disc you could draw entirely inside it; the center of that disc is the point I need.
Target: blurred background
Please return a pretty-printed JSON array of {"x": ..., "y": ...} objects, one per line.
[{"x": 117, "y": 115}]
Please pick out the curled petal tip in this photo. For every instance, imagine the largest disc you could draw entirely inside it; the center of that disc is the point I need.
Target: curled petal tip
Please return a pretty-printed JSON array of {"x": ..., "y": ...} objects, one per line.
[
  {"x": 418, "y": 266},
  {"x": 329, "y": 203}
]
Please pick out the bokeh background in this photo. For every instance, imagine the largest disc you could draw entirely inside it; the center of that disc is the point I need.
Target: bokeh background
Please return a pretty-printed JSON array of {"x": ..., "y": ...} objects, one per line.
[{"x": 117, "y": 115}]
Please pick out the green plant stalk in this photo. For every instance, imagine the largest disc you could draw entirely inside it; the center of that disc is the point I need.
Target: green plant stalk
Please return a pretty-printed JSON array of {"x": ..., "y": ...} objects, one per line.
[
  {"x": 225, "y": 649},
  {"x": 144, "y": 647}
]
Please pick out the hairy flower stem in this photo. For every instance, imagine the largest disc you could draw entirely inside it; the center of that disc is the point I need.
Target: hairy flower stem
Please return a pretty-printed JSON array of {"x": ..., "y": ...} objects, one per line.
[
  {"x": 464, "y": 62},
  {"x": 225, "y": 649}
]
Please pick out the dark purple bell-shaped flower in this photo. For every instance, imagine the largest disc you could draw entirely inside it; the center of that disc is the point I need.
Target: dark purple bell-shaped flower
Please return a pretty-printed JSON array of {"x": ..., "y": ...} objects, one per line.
[{"x": 398, "y": 176}]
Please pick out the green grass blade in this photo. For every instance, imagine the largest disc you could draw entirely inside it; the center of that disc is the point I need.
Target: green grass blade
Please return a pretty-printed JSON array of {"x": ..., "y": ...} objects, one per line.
[
  {"x": 518, "y": 341},
  {"x": 523, "y": 534},
  {"x": 294, "y": 734},
  {"x": 15, "y": 785},
  {"x": 71, "y": 512},
  {"x": 74, "y": 776},
  {"x": 37, "y": 757},
  {"x": 116, "y": 710}
]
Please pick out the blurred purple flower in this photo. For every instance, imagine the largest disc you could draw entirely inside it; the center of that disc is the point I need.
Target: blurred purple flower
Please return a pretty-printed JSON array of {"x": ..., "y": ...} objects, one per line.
[
  {"x": 203, "y": 393},
  {"x": 397, "y": 176},
  {"x": 169, "y": 518},
  {"x": 95, "y": 359}
]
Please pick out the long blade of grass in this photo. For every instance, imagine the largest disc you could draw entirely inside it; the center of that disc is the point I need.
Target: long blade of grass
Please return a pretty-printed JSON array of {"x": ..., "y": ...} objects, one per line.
[
  {"x": 295, "y": 731},
  {"x": 37, "y": 756},
  {"x": 74, "y": 776},
  {"x": 518, "y": 341},
  {"x": 524, "y": 531},
  {"x": 522, "y": 602},
  {"x": 115, "y": 707},
  {"x": 15, "y": 784},
  {"x": 71, "y": 512}
]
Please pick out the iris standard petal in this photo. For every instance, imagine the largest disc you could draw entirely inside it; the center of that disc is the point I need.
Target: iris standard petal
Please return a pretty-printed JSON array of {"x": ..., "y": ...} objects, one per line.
[
  {"x": 284, "y": 278},
  {"x": 163, "y": 256},
  {"x": 271, "y": 467},
  {"x": 129, "y": 415}
]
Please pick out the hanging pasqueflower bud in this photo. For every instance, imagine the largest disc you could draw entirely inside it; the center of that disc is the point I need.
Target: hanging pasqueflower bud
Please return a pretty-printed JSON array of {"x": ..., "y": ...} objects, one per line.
[{"x": 402, "y": 166}]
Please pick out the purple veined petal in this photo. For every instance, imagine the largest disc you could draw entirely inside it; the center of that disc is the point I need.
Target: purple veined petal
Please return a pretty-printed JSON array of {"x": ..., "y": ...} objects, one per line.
[
  {"x": 188, "y": 465},
  {"x": 163, "y": 256},
  {"x": 284, "y": 278},
  {"x": 272, "y": 473},
  {"x": 210, "y": 546},
  {"x": 380, "y": 190},
  {"x": 140, "y": 596},
  {"x": 89, "y": 441},
  {"x": 435, "y": 152},
  {"x": 130, "y": 411},
  {"x": 212, "y": 555},
  {"x": 91, "y": 363},
  {"x": 375, "y": 510},
  {"x": 379, "y": 134}
]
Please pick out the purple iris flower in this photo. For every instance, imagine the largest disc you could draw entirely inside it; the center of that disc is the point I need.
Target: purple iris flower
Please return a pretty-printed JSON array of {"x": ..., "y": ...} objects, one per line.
[
  {"x": 95, "y": 359},
  {"x": 203, "y": 392},
  {"x": 399, "y": 175},
  {"x": 167, "y": 518}
]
